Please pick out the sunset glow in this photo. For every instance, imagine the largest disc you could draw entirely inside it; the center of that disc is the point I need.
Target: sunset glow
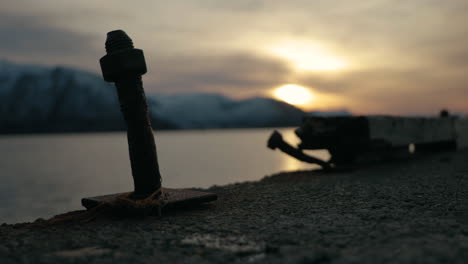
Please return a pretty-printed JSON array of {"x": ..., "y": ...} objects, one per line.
[
  {"x": 308, "y": 57},
  {"x": 364, "y": 56},
  {"x": 294, "y": 94}
]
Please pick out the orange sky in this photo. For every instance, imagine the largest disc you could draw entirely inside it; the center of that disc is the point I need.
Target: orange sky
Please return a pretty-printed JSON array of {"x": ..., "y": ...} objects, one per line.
[{"x": 369, "y": 57}]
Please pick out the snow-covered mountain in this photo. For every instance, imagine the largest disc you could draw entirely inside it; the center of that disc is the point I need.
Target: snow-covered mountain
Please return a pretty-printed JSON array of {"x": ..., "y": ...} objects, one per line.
[
  {"x": 214, "y": 110},
  {"x": 59, "y": 99}
]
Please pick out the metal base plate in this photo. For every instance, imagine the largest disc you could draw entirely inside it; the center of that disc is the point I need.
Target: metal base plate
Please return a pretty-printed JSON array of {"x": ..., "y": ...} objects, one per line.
[{"x": 174, "y": 198}]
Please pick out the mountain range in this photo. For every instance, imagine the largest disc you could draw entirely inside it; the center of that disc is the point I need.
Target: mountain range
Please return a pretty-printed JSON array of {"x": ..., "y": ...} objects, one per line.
[{"x": 41, "y": 99}]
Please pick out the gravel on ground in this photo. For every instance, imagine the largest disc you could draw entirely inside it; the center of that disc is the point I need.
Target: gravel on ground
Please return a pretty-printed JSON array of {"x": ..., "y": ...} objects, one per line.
[{"x": 412, "y": 211}]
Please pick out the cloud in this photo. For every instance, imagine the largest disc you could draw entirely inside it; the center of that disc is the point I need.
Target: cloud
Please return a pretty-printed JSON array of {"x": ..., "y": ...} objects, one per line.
[
  {"x": 30, "y": 37},
  {"x": 395, "y": 91},
  {"x": 237, "y": 6},
  {"x": 241, "y": 72},
  {"x": 403, "y": 55}
]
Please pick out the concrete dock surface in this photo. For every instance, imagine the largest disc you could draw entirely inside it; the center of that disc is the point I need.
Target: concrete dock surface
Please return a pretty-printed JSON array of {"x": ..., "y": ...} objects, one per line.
[{"x": 408, "y": 211}]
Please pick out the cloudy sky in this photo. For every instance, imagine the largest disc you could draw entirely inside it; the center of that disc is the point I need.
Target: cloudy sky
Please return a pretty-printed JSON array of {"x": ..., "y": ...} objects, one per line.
[{"x": 370, "y": 57}]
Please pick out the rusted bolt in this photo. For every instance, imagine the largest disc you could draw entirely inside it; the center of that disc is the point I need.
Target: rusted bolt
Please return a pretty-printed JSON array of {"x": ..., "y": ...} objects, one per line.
[{"x": 124, "y": 65}]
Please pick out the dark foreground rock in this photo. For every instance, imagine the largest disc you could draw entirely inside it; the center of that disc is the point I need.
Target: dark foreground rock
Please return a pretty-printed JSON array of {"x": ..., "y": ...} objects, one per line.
[{"x": 400, "y": 212}]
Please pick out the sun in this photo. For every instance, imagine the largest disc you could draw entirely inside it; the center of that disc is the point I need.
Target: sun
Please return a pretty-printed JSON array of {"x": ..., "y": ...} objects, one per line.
[
  {"x": 308, "y": 56},
  {"x": 294, "y": 94}
]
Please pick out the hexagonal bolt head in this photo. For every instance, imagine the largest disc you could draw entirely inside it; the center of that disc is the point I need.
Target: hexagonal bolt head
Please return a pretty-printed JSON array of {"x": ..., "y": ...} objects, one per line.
[{"x": 122, "y": 59}]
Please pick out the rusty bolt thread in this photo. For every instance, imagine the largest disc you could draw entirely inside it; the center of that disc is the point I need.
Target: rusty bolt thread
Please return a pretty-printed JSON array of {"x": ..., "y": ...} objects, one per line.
[
  {"x": 118, "y": 40},
  {"x": 142, "y": 148}
]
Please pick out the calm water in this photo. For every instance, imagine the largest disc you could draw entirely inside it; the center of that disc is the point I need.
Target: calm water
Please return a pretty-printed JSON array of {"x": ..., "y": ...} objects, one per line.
[{"x": 44, "y": 175}]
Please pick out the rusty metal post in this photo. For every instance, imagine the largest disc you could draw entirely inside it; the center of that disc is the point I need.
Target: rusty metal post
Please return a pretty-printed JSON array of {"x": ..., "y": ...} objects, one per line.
[{"x": 124, "y": 66}]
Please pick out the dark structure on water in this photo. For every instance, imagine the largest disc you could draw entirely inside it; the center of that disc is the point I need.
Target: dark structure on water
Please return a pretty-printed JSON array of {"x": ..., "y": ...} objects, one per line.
[{"x": 352, "y": 139}]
